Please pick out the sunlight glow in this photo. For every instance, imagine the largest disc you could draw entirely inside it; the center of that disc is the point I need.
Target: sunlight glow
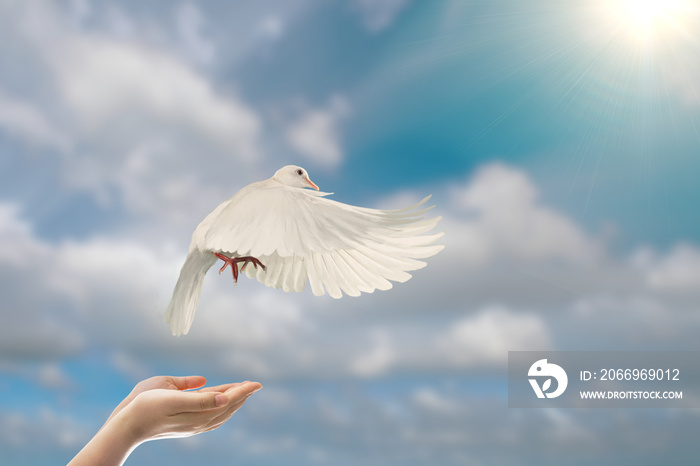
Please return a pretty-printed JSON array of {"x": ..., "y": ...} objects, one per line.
[{"x": 648, "y": 20}]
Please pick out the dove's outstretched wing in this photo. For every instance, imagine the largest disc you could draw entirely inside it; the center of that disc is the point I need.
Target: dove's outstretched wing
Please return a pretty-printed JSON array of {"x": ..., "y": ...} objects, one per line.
[{"x": 301, "y": 236}]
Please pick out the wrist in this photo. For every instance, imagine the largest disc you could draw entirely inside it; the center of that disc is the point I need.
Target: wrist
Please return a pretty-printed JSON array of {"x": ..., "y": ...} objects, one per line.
[
  {"x": 111, "y": 446},
  {"x": 126, "y": 426}
]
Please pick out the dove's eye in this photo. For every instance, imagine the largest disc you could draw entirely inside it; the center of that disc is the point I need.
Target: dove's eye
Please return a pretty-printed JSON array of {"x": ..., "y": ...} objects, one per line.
[{"x": 299, "y": 172}]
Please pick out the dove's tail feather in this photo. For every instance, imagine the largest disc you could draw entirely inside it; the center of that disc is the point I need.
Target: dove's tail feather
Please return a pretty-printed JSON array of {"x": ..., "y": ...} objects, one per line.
[{"x": 183, "y": 304}]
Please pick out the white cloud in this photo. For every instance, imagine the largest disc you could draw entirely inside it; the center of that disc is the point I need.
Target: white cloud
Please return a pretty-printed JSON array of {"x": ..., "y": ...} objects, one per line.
[
  {"x": 504, "y": 217},
  {"x": 486, "y": 338},
  {"x": 679, "y": 270},
  {"x": 315, "y": 133},
  {"x": 247, "y": 314},
  {"x": 103, "y": 99},
  {"x": 101, "y": 79},
  {"x": 17, "y": 245},
  {"x": 27, "y": 122},
  {"x": 32, "y": 322},
  {"x": 476, "y": 340},
  {"x": 378, "y": 358}
]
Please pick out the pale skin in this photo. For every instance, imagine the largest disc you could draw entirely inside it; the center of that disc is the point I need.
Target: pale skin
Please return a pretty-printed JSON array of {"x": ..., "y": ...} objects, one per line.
[{"x": 160, "y": 407}]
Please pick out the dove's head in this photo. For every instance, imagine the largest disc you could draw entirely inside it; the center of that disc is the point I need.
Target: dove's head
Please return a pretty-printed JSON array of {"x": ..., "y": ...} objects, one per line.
[{"x": 294, "y": 176}]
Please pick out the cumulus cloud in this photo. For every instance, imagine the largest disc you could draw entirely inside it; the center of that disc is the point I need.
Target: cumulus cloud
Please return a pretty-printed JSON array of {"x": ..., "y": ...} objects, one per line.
[
  {"x": 35, "y": 323},
  {"x": 111, "y": 99},
  {"x": 679, "y": 270},
  {"x": 479, "y": 338},
  {"x": 315, "y": 133},
  {"x": 101, "y": 79},
  {"x": 486, "y": 338},
  {"x": 27, "y": 122},
  {"x": 509, "y": 220},
  {"x": 377, "y": 358}
]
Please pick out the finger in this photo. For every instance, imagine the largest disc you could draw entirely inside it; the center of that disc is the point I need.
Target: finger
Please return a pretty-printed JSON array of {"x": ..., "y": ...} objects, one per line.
[
  {"x": 226, "y": 415},
  {"x": 250, "y": 387},
  {"x": 242, "y": 391},
  {"x": 188, "y": 382},
  {"x": 212, "y": 419},
  {"x": 221, "y": 388},
  {"x": 192, "y": 402},
  {"x": 204, "y": 400},
  {"x": 235, "y": 397}
]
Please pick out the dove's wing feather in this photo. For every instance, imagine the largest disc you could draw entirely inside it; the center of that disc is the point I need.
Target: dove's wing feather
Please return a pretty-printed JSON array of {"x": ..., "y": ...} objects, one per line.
[
  {"x": 180, "y": 312},
  {"x": 302, "y": 236},
  {"x": 270, "y": 219}
]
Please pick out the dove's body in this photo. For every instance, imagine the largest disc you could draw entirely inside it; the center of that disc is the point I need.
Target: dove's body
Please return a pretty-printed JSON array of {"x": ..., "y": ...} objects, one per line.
[{"x": 300, "y": 235}]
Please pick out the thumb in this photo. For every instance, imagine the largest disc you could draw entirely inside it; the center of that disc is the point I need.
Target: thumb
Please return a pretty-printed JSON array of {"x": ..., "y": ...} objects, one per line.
[{"x": 188, "y": 382}]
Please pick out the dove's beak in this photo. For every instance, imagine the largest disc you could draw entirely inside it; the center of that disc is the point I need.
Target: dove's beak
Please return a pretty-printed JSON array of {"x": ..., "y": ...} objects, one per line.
[{"x": 311, "y": 183}]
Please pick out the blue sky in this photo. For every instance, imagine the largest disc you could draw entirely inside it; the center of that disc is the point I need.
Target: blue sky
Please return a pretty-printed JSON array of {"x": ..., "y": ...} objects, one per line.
[{"x": 560, "y": 142}]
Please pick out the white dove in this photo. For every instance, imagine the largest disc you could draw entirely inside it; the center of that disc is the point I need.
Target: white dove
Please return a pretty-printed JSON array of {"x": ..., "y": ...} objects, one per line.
[{"x": 291, "y": 235}]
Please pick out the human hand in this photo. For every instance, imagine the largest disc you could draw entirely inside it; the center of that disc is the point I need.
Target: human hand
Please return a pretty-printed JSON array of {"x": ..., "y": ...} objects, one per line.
[
  {"x": 160, "y": 408},
  {"x": 169, "y": 383}
]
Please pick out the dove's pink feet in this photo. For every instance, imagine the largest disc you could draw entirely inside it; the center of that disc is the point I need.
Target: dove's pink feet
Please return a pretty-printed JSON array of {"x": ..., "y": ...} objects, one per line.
[{"x": 233, "y": 261}]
